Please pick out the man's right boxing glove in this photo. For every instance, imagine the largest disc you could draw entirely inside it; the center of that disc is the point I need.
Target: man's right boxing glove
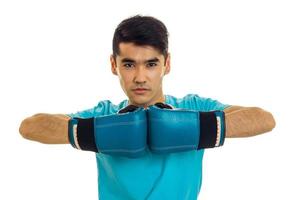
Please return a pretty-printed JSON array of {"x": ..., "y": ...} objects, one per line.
[
  {"x": 122, "y": 134},
  {"x": 177, "y": 130}
]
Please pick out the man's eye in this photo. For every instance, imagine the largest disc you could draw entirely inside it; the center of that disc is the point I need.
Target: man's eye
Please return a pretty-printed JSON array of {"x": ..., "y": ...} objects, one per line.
[
  {"x": 152, "y": 64},
  {"x": 128, "y": 65}
]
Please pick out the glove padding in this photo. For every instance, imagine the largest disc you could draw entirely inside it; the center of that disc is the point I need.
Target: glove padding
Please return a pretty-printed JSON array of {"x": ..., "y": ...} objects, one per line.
[
  {"x": 177, "y": 130},
  {"x": 123, "y": 134}
]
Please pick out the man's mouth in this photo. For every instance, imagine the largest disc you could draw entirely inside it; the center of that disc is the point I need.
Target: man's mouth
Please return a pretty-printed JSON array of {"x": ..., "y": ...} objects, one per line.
[{"x": 140, "y": 91}]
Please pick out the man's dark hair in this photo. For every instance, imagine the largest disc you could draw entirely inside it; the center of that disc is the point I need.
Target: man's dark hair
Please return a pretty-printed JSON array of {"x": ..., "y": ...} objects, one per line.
[{"x": 141, "y": 30}]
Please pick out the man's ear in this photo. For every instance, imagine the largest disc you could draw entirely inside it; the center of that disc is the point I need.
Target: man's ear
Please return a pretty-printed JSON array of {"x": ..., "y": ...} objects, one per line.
[
  {"x": 113, "y": 65},
  {"x": 168, "y": 64}
]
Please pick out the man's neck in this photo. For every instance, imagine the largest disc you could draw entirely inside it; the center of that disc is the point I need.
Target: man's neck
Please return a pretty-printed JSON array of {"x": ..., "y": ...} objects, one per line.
[{"x": 160, "y": 99}]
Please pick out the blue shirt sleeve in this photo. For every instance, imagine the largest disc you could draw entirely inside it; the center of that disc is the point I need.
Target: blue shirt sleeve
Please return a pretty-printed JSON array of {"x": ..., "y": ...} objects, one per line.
[
  {"x": 105, "y": 107},
  {"x": 88, "y": 113},
  {"x": 195, "y": 102},
  {"x": 212, "y": 104},
  {"x": 97, "y": 110}
]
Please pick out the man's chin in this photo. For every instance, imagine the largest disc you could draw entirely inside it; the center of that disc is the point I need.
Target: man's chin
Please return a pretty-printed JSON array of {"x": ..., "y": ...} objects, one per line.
[{"x": 140, "y": 101}]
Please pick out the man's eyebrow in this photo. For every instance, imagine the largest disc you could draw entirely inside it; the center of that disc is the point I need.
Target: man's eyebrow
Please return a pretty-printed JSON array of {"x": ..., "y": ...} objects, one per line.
[
  {"x": 129, "y": 60},
  {"x": 126, "y": 60},
  {"x": 152, "y": 60}
]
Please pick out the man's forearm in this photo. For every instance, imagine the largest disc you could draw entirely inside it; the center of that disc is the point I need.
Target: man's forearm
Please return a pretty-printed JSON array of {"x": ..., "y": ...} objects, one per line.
[
  {"x": 247, "y": 121},
  {"x": 46, "y": 128}
]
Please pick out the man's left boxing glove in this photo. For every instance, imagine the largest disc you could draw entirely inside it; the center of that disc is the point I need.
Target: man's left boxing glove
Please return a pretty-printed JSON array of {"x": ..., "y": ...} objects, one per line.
[
  {"x": 122, "y": 134},
  {"x": 176, "y": 130}
]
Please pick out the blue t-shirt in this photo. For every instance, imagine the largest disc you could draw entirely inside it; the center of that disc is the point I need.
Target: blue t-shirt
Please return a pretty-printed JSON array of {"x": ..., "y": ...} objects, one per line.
[{"x": 152, "y": 176}]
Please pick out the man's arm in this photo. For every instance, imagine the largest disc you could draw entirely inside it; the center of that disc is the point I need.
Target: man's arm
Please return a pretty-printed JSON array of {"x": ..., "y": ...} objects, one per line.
[
  {"x": 46, "y": 128},
  {"x": 247, "y": 121}
]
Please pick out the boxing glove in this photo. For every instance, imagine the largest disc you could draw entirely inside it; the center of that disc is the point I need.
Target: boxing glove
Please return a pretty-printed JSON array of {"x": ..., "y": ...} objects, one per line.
[
  {"x": 177, "y": 130},
  {"x": 122, "y": 134}
]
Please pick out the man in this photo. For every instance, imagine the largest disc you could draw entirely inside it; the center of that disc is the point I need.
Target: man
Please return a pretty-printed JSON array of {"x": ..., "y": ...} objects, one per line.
[{"x": 141, "y": 60}]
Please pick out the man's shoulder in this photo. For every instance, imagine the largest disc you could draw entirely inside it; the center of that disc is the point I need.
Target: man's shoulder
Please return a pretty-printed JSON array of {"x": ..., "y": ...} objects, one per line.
[
  {"x": 188, "y": 98},
  {"x": 195, "y": 102},
  {"x": 106, "y": 107},
  {"x": 103, "y": 107}
]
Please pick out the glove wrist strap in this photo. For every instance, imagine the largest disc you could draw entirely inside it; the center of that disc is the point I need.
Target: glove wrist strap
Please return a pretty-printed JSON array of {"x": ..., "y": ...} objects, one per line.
[
  {"x": 212, "y": 129},
  {"x": 81, "y": 134}
]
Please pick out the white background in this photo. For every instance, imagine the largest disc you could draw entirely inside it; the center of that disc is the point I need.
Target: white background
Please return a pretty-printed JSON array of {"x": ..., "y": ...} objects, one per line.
[{"x": 54, "y": 58}]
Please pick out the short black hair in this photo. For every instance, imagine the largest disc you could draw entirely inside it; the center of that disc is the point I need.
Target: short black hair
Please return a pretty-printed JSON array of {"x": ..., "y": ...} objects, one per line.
[{"x": 141, "y": 30}]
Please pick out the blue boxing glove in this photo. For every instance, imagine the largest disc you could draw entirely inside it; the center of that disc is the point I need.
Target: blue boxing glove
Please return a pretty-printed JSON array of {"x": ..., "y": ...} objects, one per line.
[
  {"x": 122, "y": 134},
  {"x": 177, "y": 130}
]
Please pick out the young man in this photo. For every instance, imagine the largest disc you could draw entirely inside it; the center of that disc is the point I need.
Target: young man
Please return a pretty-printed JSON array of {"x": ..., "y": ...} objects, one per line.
[{"x": 141, "y": 60}]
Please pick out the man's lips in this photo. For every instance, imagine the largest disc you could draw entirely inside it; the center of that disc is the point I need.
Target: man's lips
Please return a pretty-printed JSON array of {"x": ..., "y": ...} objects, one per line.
[{"x": 140, "y": 90}]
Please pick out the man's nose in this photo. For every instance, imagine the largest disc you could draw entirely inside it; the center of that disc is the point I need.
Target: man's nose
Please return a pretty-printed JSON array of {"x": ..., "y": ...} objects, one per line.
[{"x": 140, "y": 75}]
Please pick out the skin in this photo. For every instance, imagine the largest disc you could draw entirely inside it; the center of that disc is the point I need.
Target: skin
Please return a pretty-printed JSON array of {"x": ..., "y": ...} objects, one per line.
[{"x": 144, "y": 67}]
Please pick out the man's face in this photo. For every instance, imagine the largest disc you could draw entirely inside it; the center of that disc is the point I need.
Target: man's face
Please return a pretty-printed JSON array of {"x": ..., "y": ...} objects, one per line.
[{"x": 141, "y": 70}]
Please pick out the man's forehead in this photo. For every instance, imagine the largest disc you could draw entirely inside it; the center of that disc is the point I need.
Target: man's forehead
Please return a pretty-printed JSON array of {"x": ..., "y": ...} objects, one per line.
[{"x": 138, "y": 52}]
